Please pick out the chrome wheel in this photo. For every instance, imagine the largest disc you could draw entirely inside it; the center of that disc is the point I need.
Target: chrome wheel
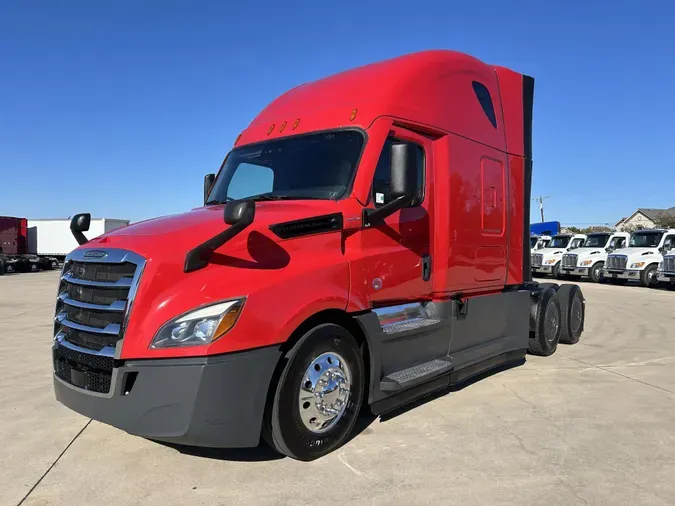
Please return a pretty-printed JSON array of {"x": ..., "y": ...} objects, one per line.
[
  {"x": 324, "y": 392},
  {"x": 552, "y": 322},
  {"x": 577, "y": 312}
]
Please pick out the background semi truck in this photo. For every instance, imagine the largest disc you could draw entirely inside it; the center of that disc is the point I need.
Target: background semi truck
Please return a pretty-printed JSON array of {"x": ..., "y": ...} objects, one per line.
[
  {"x": 545, "y": 228},
  {"x": 666, "y": 270},
  {"x": 366, "y": 241},
  {"x": 13, "y": 248},
  {"x": 35, "y": 244},
  {"x": 52, "y": 237},
  {"x": 547, "y": 261},
  {"x": 589, "y": 260},
  {"x": 640, "y": 260},
  {"x": 538, "y": 242}
]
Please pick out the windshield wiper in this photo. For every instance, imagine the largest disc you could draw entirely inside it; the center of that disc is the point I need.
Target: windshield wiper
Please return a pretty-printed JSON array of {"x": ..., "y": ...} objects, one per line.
[
  {"x": 271, "y": 196},
  {"x": 218, "y": 202}
]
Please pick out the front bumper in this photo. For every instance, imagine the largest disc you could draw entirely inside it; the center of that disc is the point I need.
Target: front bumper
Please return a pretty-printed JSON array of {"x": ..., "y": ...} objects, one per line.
[
  {"x": 216, "y": 401},
  {"x": 575, "y": 271},
  {"x": 623, "y": 274},
  {"x": 666, "y": 277},
  {"x": 545, "y": 269}
]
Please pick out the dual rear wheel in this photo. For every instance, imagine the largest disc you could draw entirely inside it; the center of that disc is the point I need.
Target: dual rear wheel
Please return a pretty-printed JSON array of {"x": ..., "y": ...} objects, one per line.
[{"x": 557, "y": 316}]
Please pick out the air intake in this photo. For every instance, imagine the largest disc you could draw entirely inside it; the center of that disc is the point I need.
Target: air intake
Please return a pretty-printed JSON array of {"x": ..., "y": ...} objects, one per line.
[{"x": 308, "y": 226}]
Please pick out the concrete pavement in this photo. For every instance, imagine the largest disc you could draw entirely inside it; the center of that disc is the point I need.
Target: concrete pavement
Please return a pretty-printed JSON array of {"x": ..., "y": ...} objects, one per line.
[{"x": 592, "y": 424}]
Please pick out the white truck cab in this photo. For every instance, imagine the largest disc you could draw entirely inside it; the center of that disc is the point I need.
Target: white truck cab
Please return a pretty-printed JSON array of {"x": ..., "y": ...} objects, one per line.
[
  {"x": 548, "y": 260},
  {"x": 666, "y": 270},
  {"x": 640, "y": 260},
  {"x": 539, "y": 242},
  {"x": 590, "y": 259}
]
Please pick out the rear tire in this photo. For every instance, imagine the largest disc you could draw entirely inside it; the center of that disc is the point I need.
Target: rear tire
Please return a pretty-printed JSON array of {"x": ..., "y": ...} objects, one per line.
[
  {"x": 296, "y": 423},
  {"x": 547, "y": 324},
  {"x": 572, "y": 313},
  {"x": 595, "y": 273},
  {"x": 648, "y": 277}
]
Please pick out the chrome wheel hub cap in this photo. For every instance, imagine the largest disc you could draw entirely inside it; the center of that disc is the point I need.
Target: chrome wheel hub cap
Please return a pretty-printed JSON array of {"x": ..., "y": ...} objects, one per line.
[
  {"x": 553, "y": 322},
  {"x": 324, "y": 392}
]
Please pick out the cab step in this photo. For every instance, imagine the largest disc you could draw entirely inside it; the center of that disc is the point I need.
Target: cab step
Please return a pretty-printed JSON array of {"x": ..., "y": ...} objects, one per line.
[
  {"x": 395, "y": 328},
  {"x": 412, "y": 376}
]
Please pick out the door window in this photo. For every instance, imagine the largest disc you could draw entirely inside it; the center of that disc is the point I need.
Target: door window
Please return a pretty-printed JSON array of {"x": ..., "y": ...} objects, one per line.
[
  {"x": 382, "y": 172},
  {"x": 618, "y": 243},
  {"x": 669, "y": 243}
]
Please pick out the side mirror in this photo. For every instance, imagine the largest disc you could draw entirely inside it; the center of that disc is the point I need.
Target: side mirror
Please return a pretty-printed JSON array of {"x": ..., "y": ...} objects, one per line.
[
  {"x": 403, "y": 171},
  {"x": 239, "y": 212},
  {"x": 208, "y": 183},
  {"x": 402, "y": 183},
  {"x": 78, "y": 224}
]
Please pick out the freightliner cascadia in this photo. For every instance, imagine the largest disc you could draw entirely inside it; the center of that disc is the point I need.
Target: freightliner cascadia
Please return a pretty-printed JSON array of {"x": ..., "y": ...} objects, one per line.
[{"x": 366, "y": 241}]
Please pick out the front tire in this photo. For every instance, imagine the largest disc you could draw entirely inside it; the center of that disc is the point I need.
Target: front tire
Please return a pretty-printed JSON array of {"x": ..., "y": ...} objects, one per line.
[
  {"x": 595, "y": 274},
  {"x": 555, "y": 272},
  {"x": 648, "y": 277},
  {"x": 318, "y": 396}
]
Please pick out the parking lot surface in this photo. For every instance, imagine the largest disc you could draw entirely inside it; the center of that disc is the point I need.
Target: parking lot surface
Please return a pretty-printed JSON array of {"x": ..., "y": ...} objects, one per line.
[{"x": 593, "y": 424}]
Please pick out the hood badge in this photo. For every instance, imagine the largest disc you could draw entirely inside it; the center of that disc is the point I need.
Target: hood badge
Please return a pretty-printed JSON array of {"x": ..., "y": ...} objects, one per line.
[{"x": 95, "y": 253}]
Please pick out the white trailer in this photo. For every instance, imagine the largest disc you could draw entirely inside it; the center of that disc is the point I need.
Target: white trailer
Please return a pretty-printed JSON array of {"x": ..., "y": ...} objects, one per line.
[{"x": 52, "y": 237}]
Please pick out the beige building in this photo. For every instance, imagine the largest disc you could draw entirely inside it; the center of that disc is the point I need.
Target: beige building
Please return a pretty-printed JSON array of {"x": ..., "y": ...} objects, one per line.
[{"x": 643, "y": 218}]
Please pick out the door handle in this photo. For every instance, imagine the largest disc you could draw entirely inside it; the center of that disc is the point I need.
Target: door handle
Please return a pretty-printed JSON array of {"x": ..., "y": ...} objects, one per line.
[{"x": 426, "y": 267}]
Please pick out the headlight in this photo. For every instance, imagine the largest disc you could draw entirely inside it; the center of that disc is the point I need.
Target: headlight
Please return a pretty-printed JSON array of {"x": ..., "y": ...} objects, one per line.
[
  {"x": 587, "y": 262},
  {"x": 551, "y": 261},
  {"x": 660, "y": 266},
  {"x": 198, "y": 327},
  {"x": 637, "y": 265}
]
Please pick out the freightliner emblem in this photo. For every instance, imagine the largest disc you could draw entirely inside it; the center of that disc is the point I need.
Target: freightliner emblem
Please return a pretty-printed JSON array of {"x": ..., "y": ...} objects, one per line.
[{"x": 95, "y": 253}]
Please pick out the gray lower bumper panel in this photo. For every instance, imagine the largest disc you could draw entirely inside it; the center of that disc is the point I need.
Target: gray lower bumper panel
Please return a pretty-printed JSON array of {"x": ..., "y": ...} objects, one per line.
[{"x": 211, "y": 401}]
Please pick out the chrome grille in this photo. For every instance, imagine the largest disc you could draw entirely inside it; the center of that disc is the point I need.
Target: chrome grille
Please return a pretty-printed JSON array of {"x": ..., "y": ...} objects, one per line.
[
  {"x": 569, "y": 260},
  {"x": 616, "y": 262},
  {"x": 537, "y": 259},
  {"x": 669, "y": 264},
  {"x": 93, "y": 305}
]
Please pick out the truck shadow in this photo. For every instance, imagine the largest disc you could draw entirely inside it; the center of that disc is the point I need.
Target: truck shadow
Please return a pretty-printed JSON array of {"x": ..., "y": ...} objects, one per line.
[
  {"x": 260, "y": 453},
  {"x": 450, "y": 389}
]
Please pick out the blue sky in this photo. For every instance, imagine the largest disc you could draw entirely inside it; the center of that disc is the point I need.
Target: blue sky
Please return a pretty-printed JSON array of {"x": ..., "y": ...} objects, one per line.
[{"x": 119, "y": 108}]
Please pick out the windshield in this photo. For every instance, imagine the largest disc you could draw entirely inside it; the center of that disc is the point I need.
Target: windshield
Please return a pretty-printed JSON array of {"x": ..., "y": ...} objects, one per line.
[
  {"x": 559, "y": 242},
  {"x": 645, "y": 239},
  {"x": 544, "y": 243},
  {"x": 577, "y": 243},
  {"x": 314, "y": 166},
  {"x": 596, "y": 241},
  {"x": 533, "y": 241}
]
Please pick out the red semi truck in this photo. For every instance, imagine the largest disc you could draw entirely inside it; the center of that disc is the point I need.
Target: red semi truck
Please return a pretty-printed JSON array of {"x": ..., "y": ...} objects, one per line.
[{"x": 366, "y": 241}]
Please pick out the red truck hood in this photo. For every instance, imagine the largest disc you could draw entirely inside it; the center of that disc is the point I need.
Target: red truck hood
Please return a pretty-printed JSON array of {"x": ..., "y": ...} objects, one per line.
[
  {"x": 255, "y": 264},
  {"x": 167, "y": 236}
]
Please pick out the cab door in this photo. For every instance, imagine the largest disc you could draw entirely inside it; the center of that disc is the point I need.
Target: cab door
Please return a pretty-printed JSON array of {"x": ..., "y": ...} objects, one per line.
[{"x": 396, "y": 262}]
